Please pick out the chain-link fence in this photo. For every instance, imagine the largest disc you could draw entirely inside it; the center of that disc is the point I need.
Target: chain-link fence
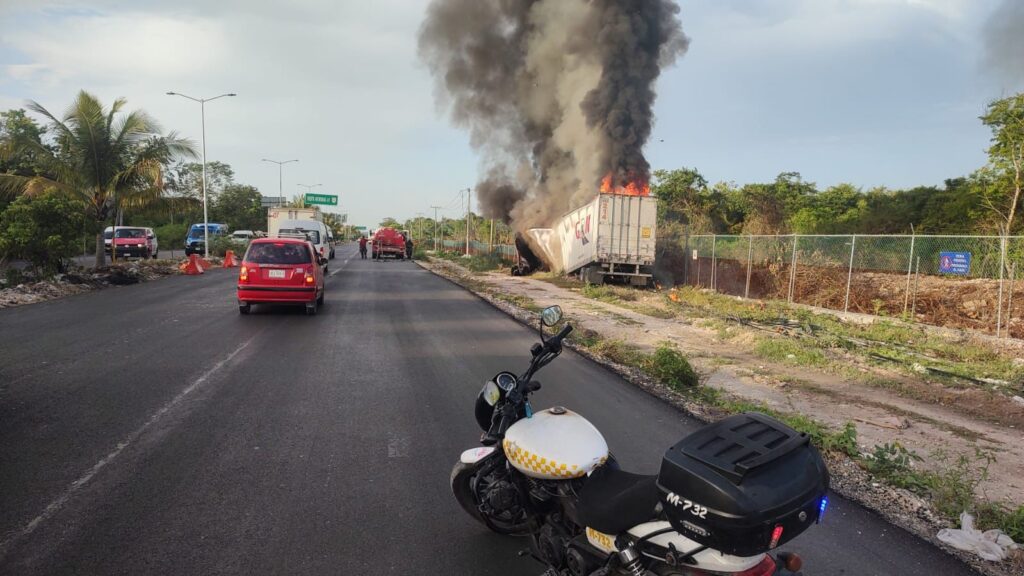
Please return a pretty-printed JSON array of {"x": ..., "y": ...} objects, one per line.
[
  {"x": 507, "y": 252},
  {"x": 957, "y": 281}
]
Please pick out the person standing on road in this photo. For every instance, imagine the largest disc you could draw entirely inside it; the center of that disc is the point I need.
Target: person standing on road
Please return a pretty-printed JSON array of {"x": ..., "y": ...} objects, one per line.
[
  {"x": 408, "y": 247},
  {"x": 362, "y": 247}
]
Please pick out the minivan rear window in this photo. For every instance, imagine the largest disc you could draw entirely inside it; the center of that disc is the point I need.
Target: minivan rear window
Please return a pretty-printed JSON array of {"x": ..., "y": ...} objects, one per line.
[
  {"x": 278, "y": 253},
  {"x": 313, "y": 235}
]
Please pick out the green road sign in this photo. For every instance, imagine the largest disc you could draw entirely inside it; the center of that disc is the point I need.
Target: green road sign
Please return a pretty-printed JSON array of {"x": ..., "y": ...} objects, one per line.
[{"x": 323, "y": 199}]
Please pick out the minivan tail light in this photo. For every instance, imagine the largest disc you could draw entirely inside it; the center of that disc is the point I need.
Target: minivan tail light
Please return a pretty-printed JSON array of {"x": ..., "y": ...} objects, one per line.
[
  {"x": 766, "y": 567},
  {"x": 243, "y": 274},
  {"x": 310, "y": 279}
]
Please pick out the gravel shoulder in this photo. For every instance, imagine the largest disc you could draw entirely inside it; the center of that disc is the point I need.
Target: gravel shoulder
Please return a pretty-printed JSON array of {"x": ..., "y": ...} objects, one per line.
[{"x": 727, "y": 363}]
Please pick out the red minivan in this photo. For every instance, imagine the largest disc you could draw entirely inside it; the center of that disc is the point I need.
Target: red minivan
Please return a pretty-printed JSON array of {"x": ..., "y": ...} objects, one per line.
[{"x": 281, "y": 271}]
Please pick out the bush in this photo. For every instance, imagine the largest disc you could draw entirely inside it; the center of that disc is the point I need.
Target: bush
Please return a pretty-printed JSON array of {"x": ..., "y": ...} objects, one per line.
[
  {"x": 171, "y": 236},
  {"x": 45, "y": 230},
  {"x": 221, "y": 244},
  {"x": 670, "y": 366}
]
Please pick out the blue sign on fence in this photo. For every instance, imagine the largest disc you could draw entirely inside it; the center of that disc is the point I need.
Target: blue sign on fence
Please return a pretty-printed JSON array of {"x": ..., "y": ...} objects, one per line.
[{"x": 958, "y": 263}]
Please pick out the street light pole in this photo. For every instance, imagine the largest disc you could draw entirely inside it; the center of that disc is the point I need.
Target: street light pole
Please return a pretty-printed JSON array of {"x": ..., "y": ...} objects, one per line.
[
  {"x": 280, "y": 178},
  {"x": 206, "y": 219},
  {"x": 308, "y": 187}
]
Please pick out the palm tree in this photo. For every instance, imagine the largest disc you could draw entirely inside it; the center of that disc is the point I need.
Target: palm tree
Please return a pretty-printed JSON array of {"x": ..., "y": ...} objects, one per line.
[{"x": 105, "y": 159}]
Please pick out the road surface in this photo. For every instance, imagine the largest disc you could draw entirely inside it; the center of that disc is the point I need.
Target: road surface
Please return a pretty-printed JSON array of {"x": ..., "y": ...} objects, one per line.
[{"x": 151, "y": 429}]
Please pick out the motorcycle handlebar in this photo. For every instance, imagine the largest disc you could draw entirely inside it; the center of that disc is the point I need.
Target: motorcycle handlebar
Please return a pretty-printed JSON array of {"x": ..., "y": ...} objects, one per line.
[{"x": 562, "y": 334}]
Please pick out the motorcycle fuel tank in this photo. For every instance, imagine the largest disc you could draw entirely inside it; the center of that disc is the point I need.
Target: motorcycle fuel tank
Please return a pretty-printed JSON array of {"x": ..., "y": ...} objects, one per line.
[{"x": 555, "y": 444}]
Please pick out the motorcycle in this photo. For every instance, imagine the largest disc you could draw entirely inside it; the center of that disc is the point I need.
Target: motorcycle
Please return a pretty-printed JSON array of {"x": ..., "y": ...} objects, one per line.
[{"x": 725, "y": 498}]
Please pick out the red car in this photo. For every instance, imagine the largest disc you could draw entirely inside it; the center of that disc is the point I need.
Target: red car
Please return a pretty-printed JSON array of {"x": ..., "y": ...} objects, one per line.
[{"x": 281, "y": 271}]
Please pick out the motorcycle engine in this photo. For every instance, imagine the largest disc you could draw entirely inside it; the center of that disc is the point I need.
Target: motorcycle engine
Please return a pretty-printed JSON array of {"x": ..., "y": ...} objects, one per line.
[{"x": 501, "y": 496}]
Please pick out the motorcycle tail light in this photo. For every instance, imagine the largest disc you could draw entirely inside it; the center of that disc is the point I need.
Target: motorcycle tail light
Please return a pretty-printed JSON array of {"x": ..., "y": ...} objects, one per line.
[{"x": 776, "y": 536}]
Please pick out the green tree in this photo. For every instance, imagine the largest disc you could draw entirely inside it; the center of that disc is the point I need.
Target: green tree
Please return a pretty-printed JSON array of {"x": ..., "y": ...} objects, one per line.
[
  {"x": 239, "y": 206},
  {"x": 1005, "y": 118},
  {"x": 185, "y": 180},
  {"x": 390, "y": 222},
  {"x": 101, "y": 158},
  {"x": 43, "y": 229}
]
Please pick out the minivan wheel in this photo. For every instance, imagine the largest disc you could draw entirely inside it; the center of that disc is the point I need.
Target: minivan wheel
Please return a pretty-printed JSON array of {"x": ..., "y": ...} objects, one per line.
[{"x": 244, "y": 308}]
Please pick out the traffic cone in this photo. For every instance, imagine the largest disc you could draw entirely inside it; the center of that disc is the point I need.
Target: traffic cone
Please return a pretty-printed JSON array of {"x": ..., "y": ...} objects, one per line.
[
  {"x": 203, "y": 263},
  {"x": 192, "y": 266},
  {"x": 230, "y": 261}
]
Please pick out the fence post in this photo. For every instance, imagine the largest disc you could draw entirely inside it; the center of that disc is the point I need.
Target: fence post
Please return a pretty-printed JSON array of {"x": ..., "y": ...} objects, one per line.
[
  {"x": 910, "y": 268},
  {"x": 1009, "y": 300},
  {"x": 714, "y": 266},
  {"x": 686, "y": 257},
  {"x": 913, "y": 301},
  {"x": 750, "y": 256},
  {"x": 792, "y": 270},
  {"x": 999, "y": 305},
  {"x": 849, "y": 276}
]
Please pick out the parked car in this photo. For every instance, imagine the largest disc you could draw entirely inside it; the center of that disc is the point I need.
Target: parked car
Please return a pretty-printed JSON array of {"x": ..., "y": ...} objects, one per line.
[
  {"x": 281, "y": 271},
  {"x": 137, "y": 242},
  {"x": 195, "y": 241},
  {"x": 243, "y": 236}
]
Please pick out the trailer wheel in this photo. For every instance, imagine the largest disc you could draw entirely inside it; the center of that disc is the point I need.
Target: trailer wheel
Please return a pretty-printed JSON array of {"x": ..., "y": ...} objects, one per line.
[{"x": 592, "y": 275}]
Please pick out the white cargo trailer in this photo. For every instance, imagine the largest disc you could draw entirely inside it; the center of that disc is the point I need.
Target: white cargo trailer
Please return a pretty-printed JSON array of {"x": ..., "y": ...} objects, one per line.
[
  {"x": 276, "y": 215},
  {"x": 611, "y": 237}
]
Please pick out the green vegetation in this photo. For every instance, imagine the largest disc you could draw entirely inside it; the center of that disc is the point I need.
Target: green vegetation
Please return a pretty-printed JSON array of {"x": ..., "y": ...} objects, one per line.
[
  {"x": 809, "y": 337},
  {"x": 475, "y": 263},
  {"x": 44, "y": 229},
  {"x": 670, "y": 367},
  {"x": 788, "y": 351},
  {"x": 99, "y": 158},
  {"x": 221, "y": 244}
]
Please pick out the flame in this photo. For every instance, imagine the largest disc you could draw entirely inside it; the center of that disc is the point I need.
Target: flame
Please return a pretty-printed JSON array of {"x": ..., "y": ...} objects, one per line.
[{"x": 634, "y": 188}]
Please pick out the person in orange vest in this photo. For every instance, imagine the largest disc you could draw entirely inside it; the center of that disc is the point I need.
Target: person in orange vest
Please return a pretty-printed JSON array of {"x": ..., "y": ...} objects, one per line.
[{"x": 362, "y": 247}]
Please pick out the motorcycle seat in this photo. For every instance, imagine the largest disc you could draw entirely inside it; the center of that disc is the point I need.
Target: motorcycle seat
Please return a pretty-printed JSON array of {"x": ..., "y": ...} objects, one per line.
[{"x": 614, "y": 501}]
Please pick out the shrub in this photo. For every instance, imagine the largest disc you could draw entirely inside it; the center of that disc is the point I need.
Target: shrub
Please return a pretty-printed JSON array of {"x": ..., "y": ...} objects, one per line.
[
  {"x": 221, "y": 244},
  {"x": 171, "y": 236},
  {"x": 670, "y": 366},
  {"x": 46, "y": 230}
]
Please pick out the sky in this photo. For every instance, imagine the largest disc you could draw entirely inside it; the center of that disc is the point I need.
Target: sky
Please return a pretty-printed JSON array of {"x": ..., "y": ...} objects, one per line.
[{"x": 871, "y": 92}]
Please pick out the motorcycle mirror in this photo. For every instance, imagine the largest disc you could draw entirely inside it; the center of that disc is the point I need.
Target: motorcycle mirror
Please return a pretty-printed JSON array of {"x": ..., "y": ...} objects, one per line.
[{"x": 551, "y": 315}]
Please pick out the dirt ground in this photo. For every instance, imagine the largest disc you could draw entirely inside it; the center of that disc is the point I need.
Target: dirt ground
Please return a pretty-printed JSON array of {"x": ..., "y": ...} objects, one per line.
[
  {"x": 728, "y": 363},
  {"x": 936, "y": 300}
]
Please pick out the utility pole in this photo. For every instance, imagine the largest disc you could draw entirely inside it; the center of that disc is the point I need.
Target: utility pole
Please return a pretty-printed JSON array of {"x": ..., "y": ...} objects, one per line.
[
  {"x": 469, "y": 200},
  {"x": 436, "y": 208}
]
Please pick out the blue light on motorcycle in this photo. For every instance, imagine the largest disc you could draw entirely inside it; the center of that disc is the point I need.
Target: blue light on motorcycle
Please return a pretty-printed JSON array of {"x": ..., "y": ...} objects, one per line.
[{"x": 822, "y": 507}]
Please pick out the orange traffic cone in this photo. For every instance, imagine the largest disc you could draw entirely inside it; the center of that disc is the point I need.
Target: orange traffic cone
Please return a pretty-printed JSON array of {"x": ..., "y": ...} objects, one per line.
[
  {"x": 230, "y": 261},
  {"x": 203, "y": 263},
  {"x": 192, "y": 266}
]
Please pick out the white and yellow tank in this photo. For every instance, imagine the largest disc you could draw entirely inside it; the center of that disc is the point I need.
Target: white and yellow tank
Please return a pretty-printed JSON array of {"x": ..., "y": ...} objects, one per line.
[{"x": 555, "y": 444}]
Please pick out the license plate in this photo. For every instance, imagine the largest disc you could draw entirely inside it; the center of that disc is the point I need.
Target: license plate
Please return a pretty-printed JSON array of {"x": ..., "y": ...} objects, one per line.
[{"x": 275, "y": 273}]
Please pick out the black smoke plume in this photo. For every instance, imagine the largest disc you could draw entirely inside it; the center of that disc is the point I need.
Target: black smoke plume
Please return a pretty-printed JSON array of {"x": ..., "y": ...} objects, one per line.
[
  {"x": 1004, "y": 41},
  {"x": 555, "y": 94}
]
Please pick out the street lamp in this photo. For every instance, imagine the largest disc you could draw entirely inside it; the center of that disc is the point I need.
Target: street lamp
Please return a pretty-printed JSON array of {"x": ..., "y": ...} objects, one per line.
[
  {"x": 206, "y": 219},
  {"x": 308, "y": 187},
  {"x": 280, "y": 188}
]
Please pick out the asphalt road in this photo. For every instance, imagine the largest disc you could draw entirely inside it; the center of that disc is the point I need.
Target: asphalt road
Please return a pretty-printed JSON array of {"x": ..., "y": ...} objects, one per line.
[{"x": 151, "y": 429}]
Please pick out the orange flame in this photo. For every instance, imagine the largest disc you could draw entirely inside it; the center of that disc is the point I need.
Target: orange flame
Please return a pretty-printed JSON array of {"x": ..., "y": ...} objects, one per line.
[{"x": 634, "y": 188}]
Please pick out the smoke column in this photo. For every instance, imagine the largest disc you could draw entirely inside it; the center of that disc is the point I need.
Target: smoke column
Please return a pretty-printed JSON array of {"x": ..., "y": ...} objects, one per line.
[
  {"x": 1004, "y": 40},
  {"x": 556, "y": 94}
]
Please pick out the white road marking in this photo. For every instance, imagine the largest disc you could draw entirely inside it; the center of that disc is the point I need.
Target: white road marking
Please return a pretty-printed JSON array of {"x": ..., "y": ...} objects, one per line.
[{"x": 56, "y": 505}]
